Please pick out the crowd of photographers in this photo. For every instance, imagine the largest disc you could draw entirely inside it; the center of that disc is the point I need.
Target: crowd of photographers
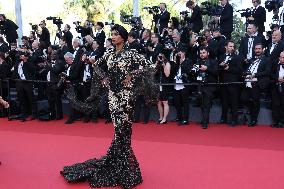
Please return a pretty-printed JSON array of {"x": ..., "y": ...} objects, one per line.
[{"x": 193, "y": 60}]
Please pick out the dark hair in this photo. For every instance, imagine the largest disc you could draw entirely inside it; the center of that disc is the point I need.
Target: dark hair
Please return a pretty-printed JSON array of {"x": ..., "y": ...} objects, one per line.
[
  {"x": 229, "y": 41},
  {"x": 68, "y": 26},
  {"x": 121, "y": 30},
  {"x": 259, "y": 44},
  {"x": 203, "y": 48},
  {"x": 133, "y": 34},
  {"x": 100, "y": 24},
  {"x": 3, "y": 15},
  {"x": 189, "y": 3},
  {"x": 25, "y": 38}
]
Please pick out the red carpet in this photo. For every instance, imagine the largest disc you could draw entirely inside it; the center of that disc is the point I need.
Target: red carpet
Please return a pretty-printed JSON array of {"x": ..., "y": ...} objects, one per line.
[{"x": 171, "y": 157}]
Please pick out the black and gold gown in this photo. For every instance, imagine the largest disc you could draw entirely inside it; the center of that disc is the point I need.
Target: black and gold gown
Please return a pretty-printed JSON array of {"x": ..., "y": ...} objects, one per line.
[{"x": 119, "y": 167}]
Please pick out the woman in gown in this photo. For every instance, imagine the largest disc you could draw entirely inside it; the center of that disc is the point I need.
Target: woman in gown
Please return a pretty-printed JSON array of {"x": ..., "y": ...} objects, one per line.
[{"x": 119, "y": 167}]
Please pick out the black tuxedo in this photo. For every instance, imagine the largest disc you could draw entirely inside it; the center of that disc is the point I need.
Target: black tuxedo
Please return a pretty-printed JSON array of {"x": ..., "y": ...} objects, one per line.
[
  {"x": 233, "y": 74},
  {"x": 181, "y": 96},
  {"x": 136, "y": 45},
  {"x": 216, "y": 47},
  {"x": 195, "y": 21},
  {"x": 69, "y": 38},
  {"x": 10, "y": 30},
  {"x": 251, "y": 96},
  {"x": 274, "y": 55},
  {"x": 62, "y": 51},
  {"x": 25, "y": 89},
  {"x": 157, "y": 50},
  {"x": 53, "y": 92},
  {"x": 226, "y": 21},
  {"x": 207, "y": 90},
  {"x": 4, "y": 48},
  {"x": 161, "y": 19},
  {"x": 277, "y": 93},
  {"x": 45, "y": 37},
  {"x": 98, "y": 53},
  {"x": 259, "y": 16},
  {"x": 78, "y": 56},
  {"x": 100, "y": 37}
]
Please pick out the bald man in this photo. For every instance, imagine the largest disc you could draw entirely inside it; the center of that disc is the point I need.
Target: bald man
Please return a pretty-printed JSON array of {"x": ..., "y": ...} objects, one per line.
[{"x": 276, "y": 47}]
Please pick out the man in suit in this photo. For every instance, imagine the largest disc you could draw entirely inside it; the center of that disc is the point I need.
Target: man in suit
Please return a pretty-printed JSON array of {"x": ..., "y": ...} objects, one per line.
[
  {"x": 230, "y": 71},
  {"x": 133, "y": 42},
  {"x": 258, "y": 16},
  {"x": 226, "y": 19},
  {"x": 9, "y": 29},
  {"x": 25, "y": 70},
  {"x": 257, "y": 79},
  {"x": 74, "y": 77},
  {"x": 216, "y": 45},
  {"x": 100, "y": 35},
  {"x": 206, "y": 71},
  {"x": 275, "y": 47},
  {"x": 54, "y": 92},
  {"x": 161, "y": 19},
  {"x": 44, "y": 35},
  {"x": 78, "y": 50},
  {"x": 4, "y": 48},
  {"x": 247, "y": 44},
  {"x": 181, "y": 72},
  {"x": 67, "y": 35},
  {"x": 195, "y": 21}
]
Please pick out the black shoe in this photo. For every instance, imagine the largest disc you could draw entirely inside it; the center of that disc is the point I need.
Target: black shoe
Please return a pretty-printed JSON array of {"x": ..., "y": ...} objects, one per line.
[
  {"x": 222, "y": 121},
  {"x": 69, "y": 121},
  {"x": 184, "y": 122},
  {"x": 158, "y": 121},
  {"x": 275, "y": 125},
  {"x": 204, "y": 125},
  {"x": 233, "y": 124},
  {"x": 252, "y": 124}
]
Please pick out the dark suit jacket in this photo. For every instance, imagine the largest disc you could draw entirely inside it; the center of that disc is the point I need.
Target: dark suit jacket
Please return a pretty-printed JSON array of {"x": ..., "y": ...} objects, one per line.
[
  {"x": 226, "y": 19},
  {"x": 275, "y": 73},
  {"x": 29, "y": 70},
  {"x": 4, "y": 70},
  {"x": 101, "y": 37},
  {"x": 4, "y": 48},
  {"x": 69, "y": 37},
  {"x": 157, "y": 50},
  {"x": 75, "y": 73},
  {"x": 55, "y": 70},
  {"x": 259, "y": 16},
  {"x": 263, "y": 73},
  {"x": 45, "y": 37},
  {"x": 243, "y": 49},
  {"x": 185, "y": 70},
  {"x": 62, "y": 51},
  {"x": 79, "y": 54},
  {"x": 274, "y": 56},
  {"x": 216, "y": 47},
  {"x": 10, "y": 30},
  {"x": 164, "y": 20},
  {"x": 234, "y": 72},
  {"x": 136, "y": 45},
  {"x": 195, "y": 20}
]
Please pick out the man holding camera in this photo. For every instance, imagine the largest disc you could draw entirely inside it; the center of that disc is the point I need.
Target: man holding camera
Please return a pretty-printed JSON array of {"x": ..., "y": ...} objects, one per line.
[
  {"x": 195, "y": 21},
  {"x": 258, "y": 16},
  {"x": 161, "y": 19},
  {"x": 205, "y": 71},
  {"x": 257, "y": 80},
  {"x": 100, "y": 34},
  {"x": 67, "y": 36},
  {"x": 44, "y": 35},
  {"x": 9, "y": 29},
  {"x": 181, "y": 72},
  {"x": 226, "y": 19},
  {"x": 230, "y": 71}
]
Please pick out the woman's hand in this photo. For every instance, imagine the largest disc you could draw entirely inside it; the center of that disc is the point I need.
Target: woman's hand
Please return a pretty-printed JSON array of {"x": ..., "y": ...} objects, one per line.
[
  {"x": 126, "y": 81},
  {"x": 4, "y": 103}
]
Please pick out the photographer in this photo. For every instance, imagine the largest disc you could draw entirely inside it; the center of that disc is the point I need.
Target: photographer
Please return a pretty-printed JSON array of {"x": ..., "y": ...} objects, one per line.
[
  {"x": 67, "y": 35},
  {"x": 97, "y": 50},
  {"x": 246, "y": 49},
  {"x": 195, "y": 21},
  {"x": 230, "y": 71},
  {"x": 257, "y": 80},
  {"x": 9, "y": 29},
  {"x": 54, "y": 92},
  {"x": 275, "y": 47},
  {"x": 205, "y": 71},
  {"x": 100, "y": 34},
  {"x": 258, "y": 16},
  {"x": 25, "y": 70},
  {"x": 226, "y": 19},
  {"x": 85, "y": 30},
  {"x": 133, "y": 42},
  {"x": 44, "y": 35},
  {"x": 146, "y": 41},
  {"x": 162, "y": 75},
  {"x": 155, "y": 48},
  {"x": 181, "y": 72},
  {"x": 161, "y": 19},
  {"x": 216, "y": 45}
]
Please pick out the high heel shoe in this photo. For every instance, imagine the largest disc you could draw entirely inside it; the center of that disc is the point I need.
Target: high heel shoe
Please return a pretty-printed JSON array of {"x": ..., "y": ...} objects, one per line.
[
  {"x": 159, "y": 120},
  {"x": 164, "y": 122}
]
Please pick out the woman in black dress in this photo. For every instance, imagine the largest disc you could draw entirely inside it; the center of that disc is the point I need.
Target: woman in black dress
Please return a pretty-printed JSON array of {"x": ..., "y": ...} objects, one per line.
[
  {"x": 119, "y": 166},
  {"x": 4, "y": 104}
]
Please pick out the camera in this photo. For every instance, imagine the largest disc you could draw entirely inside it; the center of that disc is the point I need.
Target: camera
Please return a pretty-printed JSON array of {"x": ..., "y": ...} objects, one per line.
[
  {"x": 78, "y": 23},
  {"x": 133, "y": 21},
  {"x": 207, "y": 8},
  {"x": 184, "y": 13},
  {"x": 152, "y": 10},
  {"x": 195, "y": 69},
  {"x": 110, "y": 23},
  {"x": 273, "y": 5},
  {"x": 56, "y": 21},
  {"x": 245, "y": 12},
  {"x": 34, "y": 27}
]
